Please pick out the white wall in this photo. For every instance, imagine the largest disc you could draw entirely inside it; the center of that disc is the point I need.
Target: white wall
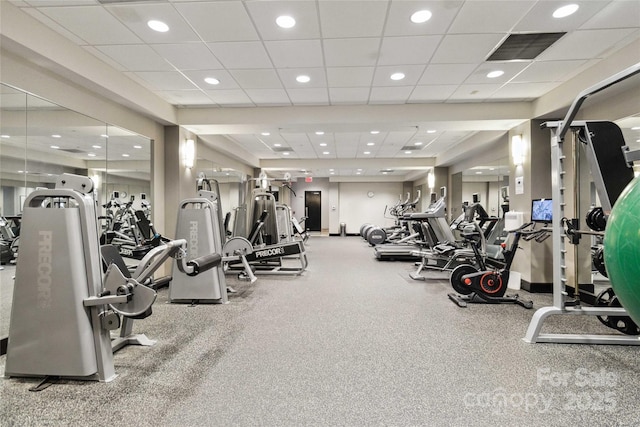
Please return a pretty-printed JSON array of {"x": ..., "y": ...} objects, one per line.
[{"x": 356, "y": 208}]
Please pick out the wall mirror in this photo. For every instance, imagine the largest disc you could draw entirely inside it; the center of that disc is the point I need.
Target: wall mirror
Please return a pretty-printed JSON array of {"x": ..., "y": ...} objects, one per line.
[{"x": 40, "y": 140}]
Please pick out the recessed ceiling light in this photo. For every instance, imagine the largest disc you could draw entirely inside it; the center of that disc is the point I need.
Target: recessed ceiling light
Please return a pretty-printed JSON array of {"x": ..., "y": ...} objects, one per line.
[
  {"x": 357, "y": 173},
  {"x": 367, "y": 152},
  {"x": 397, "y": 76},
  {"x": 137, "y": 147},
  {"x": 91, "y": 155},
  {"x": 565, "y": 11},
  {"x": 479, "y": 173},
  {"x": 407, "y": 152},
  {"x": 375, "y": 132},
  {"x": 431, "y": 131},
  {"x": 323, "y": 144},
  {"x": 359, "y": 170},
  {"x": 331, "y": 170},
  {"x": 104, "y": 135},
  {"x": 55, "y": 147},
  {"x": 319, "y": 132},
  {"x": 158, "y": 26},
  {"x": 285, "y": 21},
  {"x": 494, "y": 74},
  {"x": 384, "y": 172},
  {"x": 5, "y": 136},
  {"x": 277, "y": 145},
  {"x": 492, "y": 169},
  {"x": 267, "y": 134},
  {"x": 332, "y": 173},
  {"x": 420, "y": 16},
  {"x": 303, "y": 79},
  {"x": 212, "y": 80},
  {"x": 56, "y": 136},
  {"x": 97, "y": 146},
  {"x": 371, "y": 144},
  {"x": 325, "y": 152},
  {"x": 633, "y": 128},
  {"x": 125, "y": 155},
  {"x": 417, "y": 143},
  {"x": 286, "y": 153}
]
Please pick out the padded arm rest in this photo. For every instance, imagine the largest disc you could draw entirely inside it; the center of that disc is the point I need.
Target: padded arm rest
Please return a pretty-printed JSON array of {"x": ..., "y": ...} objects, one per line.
[{"x": 203, "y": 263}]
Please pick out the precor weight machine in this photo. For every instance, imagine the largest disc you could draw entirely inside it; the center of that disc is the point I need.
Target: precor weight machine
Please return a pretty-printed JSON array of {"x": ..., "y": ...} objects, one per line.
[
  {"x": 64, "y": 308},
  {"x": 609, "y": 160},
  {"x": 200, "y": 224}
]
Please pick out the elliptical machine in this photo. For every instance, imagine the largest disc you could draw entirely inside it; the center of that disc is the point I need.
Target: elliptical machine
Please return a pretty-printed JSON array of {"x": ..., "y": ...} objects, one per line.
[{"x": 486, "y": 282}]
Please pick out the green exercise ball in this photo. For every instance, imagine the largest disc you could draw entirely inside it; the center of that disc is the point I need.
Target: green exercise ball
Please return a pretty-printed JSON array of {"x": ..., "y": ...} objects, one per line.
[{"x": 622, "y": 249}]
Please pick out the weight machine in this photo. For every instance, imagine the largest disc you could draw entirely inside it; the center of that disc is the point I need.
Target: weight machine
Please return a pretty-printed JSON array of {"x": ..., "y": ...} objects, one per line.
[
  {"x": 609, "y": 160},
  {"x": 64, "y": 308}
]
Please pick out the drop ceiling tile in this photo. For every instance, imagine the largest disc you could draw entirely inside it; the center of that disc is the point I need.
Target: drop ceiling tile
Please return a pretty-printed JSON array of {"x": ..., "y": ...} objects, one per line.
[
  {"x": 489, "y": 16},
  {"x": 408, "y": 50},
  {"x": 390, "y": 95},
  {"x": 136, "y": 16},
  {"x": 268, "y": 97},
  {"x": 264, "y": 14},
  {"x": 188, "y": 56},
  {"x": 226, "y": 81},
  {"x": 523, "y": 91},
  {"x": 241, "y": 55},
  {"x": 165, "y": 80},
  {"x": 107, "y": 59},
  {"x": 436, "y": 74},
  {"x": 90, "y": 24},
  {"x": 474, "y": 92},
  {"x": 295, "y": 53},
  {"x": 432, "y": 93},
  {"x": 59, "y": 28},
  {"x": 399, "y": 19},
  {"x": 349, "y": 76},
  {"x": 44, "y": 3},
  {"x": 510, "y": 68},
  {"x": 617, "y": 14},
  {"x": 185, "y": 97},
  {"x": 317, "y": 76},
  {"x": 466, "y": 48},
  {"x": 317, "y": 96},
  {"x": 585, "y": 44},
  {"x": 412, "y": 74},
  {"x": 540, "y": 19},
  {"x": 548, "y": 71},
  {"x": 342, "y": 19},
  {"x": 219, "y": 21},
  {"x": 230, "y": 98},
  {"x": 355, "y": 95},
  {"x": 257, "y": 79},
  {"x": 351, "y": 52},
  {"x": 136, "y": 57}
]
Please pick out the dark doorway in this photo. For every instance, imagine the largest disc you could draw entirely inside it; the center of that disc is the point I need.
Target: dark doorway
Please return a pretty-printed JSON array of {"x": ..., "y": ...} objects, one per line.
[{"x": 313, "y": 212}]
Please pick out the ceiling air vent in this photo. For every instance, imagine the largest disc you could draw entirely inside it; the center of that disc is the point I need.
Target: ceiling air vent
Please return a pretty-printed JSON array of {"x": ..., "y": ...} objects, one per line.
[
  {"x": 282, "y": 149},
  {"x": 72, "y": 150},
  {"x": 524, "y": 46},
  {"x": 411, "y": 147}
]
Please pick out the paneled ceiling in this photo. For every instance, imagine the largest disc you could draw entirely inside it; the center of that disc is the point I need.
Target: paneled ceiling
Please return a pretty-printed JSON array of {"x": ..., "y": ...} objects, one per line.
[{"x": 348, "y": 51}]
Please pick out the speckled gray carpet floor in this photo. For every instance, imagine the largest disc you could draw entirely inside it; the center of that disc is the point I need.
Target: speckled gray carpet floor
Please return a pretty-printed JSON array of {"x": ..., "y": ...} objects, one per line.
[{"x": 352, "y": 342}]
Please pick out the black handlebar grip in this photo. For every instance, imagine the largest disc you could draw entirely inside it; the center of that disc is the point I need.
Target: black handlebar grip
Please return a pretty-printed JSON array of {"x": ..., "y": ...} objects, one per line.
[{"x": 204, "y": 263}]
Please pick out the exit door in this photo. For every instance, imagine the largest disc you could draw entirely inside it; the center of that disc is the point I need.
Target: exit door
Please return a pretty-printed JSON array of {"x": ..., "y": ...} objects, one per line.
[{"x": 312, "y": 202}]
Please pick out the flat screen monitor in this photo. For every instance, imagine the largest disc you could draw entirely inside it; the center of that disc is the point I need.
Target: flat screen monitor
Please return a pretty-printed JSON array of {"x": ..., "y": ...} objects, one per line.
[
  {"x": 434, "y": 197},
  {"x": 541, "y": 210},
  {"x": 443, "y": 192},
  {"x": 476, "y": 198}
]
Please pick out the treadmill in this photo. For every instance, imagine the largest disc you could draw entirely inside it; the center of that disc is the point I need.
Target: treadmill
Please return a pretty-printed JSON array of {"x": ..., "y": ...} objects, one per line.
[{"x": 427, "y": 223}]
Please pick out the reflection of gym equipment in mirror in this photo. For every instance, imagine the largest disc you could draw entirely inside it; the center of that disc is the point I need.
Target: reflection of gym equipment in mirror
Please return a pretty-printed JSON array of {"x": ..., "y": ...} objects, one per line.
[
  {"x": 64, "y": 281},
  {"x": 609, "y": 162}
]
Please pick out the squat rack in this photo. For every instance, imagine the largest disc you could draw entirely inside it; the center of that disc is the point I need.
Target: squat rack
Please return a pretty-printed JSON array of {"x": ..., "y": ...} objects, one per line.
[{"x": 562, "y": 305}]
